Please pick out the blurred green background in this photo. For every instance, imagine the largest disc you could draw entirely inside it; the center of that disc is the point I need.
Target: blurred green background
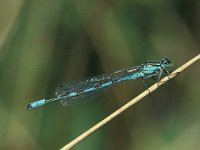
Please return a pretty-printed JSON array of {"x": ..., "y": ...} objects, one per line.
[{"x": 46, "y": 43}]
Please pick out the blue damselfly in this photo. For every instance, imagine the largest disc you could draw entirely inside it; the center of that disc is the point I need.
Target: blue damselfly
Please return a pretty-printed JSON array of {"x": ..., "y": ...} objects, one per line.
[{"x": 78, "y": 91}]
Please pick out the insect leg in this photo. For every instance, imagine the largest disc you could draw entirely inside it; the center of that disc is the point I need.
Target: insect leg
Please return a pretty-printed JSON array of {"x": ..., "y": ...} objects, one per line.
[{"x": 143, "y": 80}]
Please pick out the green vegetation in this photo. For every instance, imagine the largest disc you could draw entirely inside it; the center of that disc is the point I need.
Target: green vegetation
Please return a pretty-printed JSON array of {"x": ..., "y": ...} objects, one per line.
[{"x": 46, "y": 43}]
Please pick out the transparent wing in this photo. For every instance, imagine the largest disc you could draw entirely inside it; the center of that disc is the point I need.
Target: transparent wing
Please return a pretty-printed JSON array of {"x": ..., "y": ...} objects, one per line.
[
  {"x": 98, "y": 84},
  {"x": 79, "y": 87}
]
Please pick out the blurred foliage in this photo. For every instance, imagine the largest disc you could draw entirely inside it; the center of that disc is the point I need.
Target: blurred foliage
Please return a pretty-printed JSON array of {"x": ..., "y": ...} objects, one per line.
[{"x": 46, "y": 43}]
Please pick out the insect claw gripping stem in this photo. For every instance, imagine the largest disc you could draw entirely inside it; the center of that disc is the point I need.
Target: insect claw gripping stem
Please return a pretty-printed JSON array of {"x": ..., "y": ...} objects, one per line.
[{"x": 146, "y": 86}]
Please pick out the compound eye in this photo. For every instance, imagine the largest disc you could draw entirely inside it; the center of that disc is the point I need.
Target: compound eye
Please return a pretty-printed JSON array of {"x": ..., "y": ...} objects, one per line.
[{"x": 166, "y": 61}]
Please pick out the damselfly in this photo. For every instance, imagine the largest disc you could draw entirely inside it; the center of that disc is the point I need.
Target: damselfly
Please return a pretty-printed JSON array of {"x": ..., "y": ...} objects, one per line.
[{"x": 78, "y": 91}]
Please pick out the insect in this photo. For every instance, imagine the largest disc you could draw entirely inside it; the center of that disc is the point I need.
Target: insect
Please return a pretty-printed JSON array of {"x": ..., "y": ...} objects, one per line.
[{"x": 77, "y": 91}]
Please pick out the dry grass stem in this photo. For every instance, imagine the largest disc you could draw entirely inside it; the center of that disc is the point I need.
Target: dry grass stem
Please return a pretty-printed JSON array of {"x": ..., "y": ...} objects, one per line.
[{"x": 130, "y": 103}]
